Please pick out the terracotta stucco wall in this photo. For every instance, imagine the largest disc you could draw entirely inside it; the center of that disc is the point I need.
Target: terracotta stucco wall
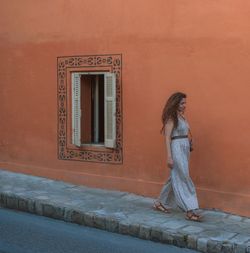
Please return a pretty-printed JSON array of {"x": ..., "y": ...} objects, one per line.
[{"x": 199, "y": 47}]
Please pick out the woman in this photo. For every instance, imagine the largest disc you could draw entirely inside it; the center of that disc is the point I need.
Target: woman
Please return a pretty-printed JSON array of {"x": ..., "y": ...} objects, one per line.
[{"x": 179, "y": 189}]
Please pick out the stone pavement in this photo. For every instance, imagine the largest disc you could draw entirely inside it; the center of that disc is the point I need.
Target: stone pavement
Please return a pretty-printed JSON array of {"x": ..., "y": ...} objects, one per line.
[{"x": 124, "y": 213}]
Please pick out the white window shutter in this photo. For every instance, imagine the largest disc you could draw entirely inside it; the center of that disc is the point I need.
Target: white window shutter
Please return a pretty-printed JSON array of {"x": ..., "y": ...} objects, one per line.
[
  {"x": 76, "y": 109},
  {"x": 110, "y": 110}
]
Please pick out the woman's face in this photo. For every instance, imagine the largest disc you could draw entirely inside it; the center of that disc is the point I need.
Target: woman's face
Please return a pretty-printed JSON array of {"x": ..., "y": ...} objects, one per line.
[{"x": 182, "y": 105}]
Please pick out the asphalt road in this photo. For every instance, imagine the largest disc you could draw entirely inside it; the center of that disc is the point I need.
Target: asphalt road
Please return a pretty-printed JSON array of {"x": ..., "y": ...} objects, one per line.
[{"x": 27, "y": 233}]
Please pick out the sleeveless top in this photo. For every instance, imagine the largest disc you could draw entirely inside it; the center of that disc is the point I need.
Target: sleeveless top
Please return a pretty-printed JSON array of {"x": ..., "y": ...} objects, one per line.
[{"x": 182, "y": 128}]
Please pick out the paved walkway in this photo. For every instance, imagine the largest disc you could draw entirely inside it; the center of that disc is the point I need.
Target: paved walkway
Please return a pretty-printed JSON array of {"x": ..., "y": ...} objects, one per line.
[{"x": 124, "y": 213}]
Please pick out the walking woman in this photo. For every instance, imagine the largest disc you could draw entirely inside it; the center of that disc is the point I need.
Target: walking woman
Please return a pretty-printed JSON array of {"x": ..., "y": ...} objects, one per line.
[{"x": 179, "y": 189}]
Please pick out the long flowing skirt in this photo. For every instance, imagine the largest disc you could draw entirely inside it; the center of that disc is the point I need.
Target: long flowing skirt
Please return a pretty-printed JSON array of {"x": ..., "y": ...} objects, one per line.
[{"x": 179, "y": 189}]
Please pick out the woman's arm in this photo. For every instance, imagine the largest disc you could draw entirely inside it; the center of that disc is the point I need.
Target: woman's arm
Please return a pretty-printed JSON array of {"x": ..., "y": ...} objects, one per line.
[{"x": 168, "y": 131}]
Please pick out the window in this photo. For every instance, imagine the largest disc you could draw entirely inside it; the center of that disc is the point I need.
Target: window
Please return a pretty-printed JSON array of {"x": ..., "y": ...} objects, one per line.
[
  {"x": 89, "y": 95},
  {"x": 93, "y": 109}
]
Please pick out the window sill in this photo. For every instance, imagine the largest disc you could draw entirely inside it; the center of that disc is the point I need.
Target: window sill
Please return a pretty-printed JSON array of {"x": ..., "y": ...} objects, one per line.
[{"x": 95, "y": 147}]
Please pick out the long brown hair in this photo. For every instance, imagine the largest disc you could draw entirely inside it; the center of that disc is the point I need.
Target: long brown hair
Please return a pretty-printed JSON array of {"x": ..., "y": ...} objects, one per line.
[{"x": 170, "y": 109}]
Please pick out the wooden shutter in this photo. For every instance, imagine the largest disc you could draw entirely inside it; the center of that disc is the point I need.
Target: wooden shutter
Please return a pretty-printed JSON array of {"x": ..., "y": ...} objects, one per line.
[
  {"x": 110, "y": 110},
  {"x": 76, "y": 109}
]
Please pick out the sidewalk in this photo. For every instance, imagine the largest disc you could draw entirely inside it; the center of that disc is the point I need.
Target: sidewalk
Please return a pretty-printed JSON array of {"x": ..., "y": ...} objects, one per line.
[{"x": 123, "y": 213}]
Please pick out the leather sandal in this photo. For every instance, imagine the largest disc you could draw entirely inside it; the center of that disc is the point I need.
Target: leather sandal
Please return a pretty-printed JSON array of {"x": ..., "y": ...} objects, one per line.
[
  {"x": 160, "y": 207},
  {"x": 193, "y": 217}
]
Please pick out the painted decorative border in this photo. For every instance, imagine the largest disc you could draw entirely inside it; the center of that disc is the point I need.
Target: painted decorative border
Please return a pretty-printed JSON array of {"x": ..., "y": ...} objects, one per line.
[{"x": 95, "y": 62}]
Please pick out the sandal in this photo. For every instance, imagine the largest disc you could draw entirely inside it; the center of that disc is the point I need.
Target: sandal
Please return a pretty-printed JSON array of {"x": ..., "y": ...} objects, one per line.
[
  {"x": 160, "y": 207},
  {"x": 193, "y": 217},
  {"x": 198, "y": 215}
]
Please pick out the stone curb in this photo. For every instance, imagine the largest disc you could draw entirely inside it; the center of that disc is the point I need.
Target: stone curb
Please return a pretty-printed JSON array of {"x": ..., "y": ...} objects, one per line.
[{"x": 121, "y": 226}]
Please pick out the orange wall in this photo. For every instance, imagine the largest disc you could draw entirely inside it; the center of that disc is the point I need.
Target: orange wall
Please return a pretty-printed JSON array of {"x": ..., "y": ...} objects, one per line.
[{"x": 199, "y": 47}]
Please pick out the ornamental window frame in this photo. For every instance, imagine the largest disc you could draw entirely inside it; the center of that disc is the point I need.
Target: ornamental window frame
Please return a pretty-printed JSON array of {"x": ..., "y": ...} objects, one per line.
[{"x": 67, "y": 68}]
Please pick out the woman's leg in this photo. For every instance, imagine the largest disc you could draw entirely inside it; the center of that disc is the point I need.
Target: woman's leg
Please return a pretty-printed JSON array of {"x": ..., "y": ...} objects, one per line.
[
  {"x": 165, "y": 192},
  {"x": 183, "y": 187},
  {"x": 161, "y": 203}
]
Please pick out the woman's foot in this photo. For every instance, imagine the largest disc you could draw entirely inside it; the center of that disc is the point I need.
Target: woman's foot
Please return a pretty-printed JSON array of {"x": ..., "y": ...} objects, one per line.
[
  {"x": 160, "y": 207},
  {"x": 192, "y": 216}
]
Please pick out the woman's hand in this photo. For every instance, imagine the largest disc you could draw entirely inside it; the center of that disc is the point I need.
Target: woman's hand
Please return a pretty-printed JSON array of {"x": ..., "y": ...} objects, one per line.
[{"x": 170, "y": 162}]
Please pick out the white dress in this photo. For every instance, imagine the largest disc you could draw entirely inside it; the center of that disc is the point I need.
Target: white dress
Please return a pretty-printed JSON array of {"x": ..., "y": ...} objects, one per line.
[{"x": 179, "y": 189}]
